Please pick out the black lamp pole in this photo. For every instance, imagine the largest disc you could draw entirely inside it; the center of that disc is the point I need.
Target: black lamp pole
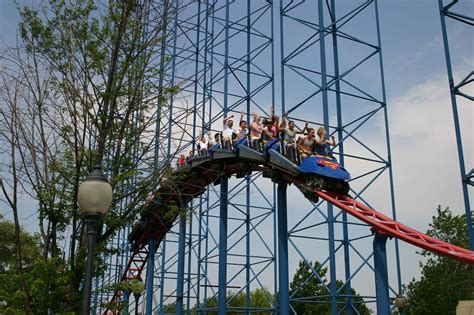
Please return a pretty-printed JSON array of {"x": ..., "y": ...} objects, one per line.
[
  {"x": 95, "y": 197},
  {"x": 91, "y": 220},
  {"x": 137, "y": 299}
]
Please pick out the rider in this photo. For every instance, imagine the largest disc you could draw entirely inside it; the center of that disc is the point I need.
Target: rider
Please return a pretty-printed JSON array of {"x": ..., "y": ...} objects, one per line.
[
  {"x": 242, "y": 131},
  {"x": 275, "y": 127},
  {"x": 306, "y": 144},
  {"x": 181, "y": 162},
  {"x": 267, "y": 134},
  {"x": 203, "y": 145},
  {"x": 216, "y": 140},
  {"x": 255, "y": 130},
  {"x": 289, "y": 133},
  {"x": 322, "y": 144},
  {"x": 228, "y": 132}
]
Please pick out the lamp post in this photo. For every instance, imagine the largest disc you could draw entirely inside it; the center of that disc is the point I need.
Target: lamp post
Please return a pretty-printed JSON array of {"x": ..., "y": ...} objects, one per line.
[
  {"x": 137, "y": 294},
  {"x": 400, "y": 302},
  {"x": 94, "y": 197}
]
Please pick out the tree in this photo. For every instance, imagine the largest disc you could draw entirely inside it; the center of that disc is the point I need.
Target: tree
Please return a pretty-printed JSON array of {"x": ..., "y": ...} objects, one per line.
[
  {"x": 80, "y": 89},
  {"x": 260, "y": 299},
  {"x": 30, "y": 248},
  {"x": 309, "y": 294},
  {"x": 36, "y": 272},
  {"x": 444, "y": 281}
]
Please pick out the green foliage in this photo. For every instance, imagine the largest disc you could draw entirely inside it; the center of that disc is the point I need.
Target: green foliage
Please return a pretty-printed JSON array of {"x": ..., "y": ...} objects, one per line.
[
  {"x": 30, "y": 245},
  {"x": 260, "y": 299},
  {"x": 135, "y": 286},
  {"x": 39, "y": 274},
  {"x": 444, "y": 281},
  {"x": 89, "y": 77},
  {"x": 310, "y": 295},
  {"x": 171, "y": 212}
]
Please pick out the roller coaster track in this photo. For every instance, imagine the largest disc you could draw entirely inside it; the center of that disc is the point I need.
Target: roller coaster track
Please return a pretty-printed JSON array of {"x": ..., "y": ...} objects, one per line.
[{"x": 185, "y": 184}]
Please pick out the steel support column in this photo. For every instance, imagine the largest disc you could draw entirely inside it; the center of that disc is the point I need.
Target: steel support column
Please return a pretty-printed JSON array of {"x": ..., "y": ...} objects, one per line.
[
  {"x": 181, "y": 254},
  {"x": 381, "y": 274},
  {"x": 162, "y": 276},
  {"x": 247, "y": 179},
  {"x": 389, "y": 149},
  {"x": 340, "y": 136},
  {"x": 222, "y": 294},
  {"x": 190, "y": 250},
  {"x": 332, "y": 250},
  {"x": 453, "y": 89},
  {"x": 283, "y": 276},
  {"x": 149, "y": 276},
  {"x": 126, "y": 300}
]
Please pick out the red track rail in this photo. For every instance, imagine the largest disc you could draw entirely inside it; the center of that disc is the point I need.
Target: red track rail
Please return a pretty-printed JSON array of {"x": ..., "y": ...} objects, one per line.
[
  {"x": 383, "y": 224},
  {"x": 135, "y": 266},
  {"x": 380, "y": 223}
]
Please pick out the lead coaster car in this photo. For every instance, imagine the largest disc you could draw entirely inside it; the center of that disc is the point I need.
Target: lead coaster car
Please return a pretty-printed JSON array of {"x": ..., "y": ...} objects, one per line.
[{"x": 330, "y": 175}]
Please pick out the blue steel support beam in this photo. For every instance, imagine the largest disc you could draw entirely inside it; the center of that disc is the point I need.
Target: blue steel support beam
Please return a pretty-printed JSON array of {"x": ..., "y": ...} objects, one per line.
[
  {"x": 283, "y": 276},
  {"x": 389, "y": 150},
  {"x": 198, "y": 286},
  {"x": 173, "y": 80},
  {"x": 275, "y": 251},
  {"x": 282, "y": 56},
  {"x": 247, "y": 245},
  {"x": 457, "y": 127},
  {"x": 149, "y": 276},
  {"x": 222, "y": 293},
  {"x": 381, "y": 274},
  {"x": 332, "y": 248},
  {"x": 247, "y": 179},
  {"x": 126, "y": 300},
  {"x": 162, "y": 276},
  {"x": 195, "y": 114},
  {"x": 190, "y": 250},
  {"x": 345, "y": 228},
  {"x": 160, "y": 85},
  {"x": 196, "y": 72},
  {"x": 181, "y": 254}
]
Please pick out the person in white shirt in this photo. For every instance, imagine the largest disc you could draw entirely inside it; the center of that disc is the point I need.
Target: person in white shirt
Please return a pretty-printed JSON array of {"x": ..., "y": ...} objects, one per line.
[
  {"x": 228, "y": 132},
  {"x": 242, "y": 131},
  {"x": 203, "y": 144}
]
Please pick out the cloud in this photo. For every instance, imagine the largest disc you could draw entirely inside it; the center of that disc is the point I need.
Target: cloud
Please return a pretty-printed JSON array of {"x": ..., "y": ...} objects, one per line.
[
  {"x": 424, "y": 146},
  {"x": 425, "y": 160}
]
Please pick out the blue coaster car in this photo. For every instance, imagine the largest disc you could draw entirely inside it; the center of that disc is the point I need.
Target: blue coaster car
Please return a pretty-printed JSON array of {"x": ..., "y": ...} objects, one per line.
[
  {"x": 324, "y": 167},
  {"x": 324, "y": 173}
]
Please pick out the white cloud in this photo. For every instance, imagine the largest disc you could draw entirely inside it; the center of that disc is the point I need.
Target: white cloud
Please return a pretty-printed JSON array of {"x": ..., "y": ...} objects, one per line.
[
  {"x": 425, "y": 151},
  {"x": 425, "y": 160}
]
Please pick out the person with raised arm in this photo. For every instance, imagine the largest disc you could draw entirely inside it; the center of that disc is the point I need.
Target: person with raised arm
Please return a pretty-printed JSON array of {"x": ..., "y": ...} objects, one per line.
[
  {"x": 306, "y": 144},
  {"x": 242, "y": 131},
  {"x": 267, "y": 134},
  {"x": 255, "y": 130},
  {"x": 289, "y": 131},
  {"x": 275, "y": 127},
  {"x": 228, "y": 132},
  {"x": 322, "y": 145}
]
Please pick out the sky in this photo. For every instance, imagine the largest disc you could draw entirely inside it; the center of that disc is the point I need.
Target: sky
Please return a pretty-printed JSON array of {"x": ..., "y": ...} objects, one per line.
[{"x": 425, "y": 164}]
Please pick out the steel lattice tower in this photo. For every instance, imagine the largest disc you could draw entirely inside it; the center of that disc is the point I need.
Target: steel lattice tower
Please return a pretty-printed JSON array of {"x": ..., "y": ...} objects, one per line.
[
  {"x": 319, "y": 62},
  {"x": 342, "y": 89},
  {"x": 459, "y": 91}
]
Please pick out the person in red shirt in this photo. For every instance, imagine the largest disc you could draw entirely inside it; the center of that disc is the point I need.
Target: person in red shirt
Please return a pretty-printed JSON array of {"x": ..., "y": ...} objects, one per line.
[{"x": 181, "y": 161}]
